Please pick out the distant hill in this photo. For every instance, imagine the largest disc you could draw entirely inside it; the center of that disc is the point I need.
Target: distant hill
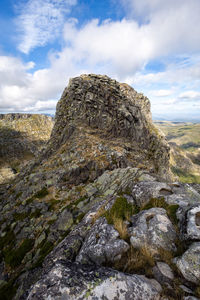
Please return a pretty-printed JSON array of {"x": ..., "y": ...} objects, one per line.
[
  {"x": 184, "y": 140},
  {"x": 22, "y": 136}
]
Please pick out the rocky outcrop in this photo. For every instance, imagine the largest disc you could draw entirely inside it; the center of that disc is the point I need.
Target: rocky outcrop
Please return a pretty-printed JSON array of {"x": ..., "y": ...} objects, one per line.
[
  {"x": 112, "y": 111},
  {"x": 73, "y": 223}
]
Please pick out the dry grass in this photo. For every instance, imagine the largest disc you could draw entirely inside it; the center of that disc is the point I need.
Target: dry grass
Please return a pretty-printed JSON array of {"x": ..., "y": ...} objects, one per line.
[
  {"x": 121, "y": 227},
  {"x": 100, "y": 212},
  {"x": 138, "y": 261},
  {"x": 165, "y": 255}
]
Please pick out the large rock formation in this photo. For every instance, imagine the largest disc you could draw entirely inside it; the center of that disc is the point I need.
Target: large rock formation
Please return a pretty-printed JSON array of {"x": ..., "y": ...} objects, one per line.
[
  {"x": 22, "y": 136},
  {"x": 79, "y": 222},
  {"x": 117, "y": 115}
]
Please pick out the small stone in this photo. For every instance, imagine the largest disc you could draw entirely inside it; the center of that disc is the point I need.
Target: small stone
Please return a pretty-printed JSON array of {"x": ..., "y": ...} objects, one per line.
[{"x": 163, "y": 273}]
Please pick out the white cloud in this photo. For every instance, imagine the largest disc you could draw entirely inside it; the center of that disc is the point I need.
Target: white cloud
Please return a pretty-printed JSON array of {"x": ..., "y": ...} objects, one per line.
[
  {"x": 40, "y": 21},
  {"x": 161, "y": 93},
  {"x": 190, "y": 95}
]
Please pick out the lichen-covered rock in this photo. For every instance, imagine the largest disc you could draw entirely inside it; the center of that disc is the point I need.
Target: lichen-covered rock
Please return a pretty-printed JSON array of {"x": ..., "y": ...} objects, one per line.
[
  {"x": 114, "y": 110},
  {"x": 189, "y": 263},
  {"x": 152, "y": 229},
  {"x": 102, "y": 244},
  {"x": 72, "y": 281},
  {"x": 143, "y": 191},
  {"x": 163, "y": 273},
  {"x": 65, "y": 220},
  {"x": 193, "y": 223}
]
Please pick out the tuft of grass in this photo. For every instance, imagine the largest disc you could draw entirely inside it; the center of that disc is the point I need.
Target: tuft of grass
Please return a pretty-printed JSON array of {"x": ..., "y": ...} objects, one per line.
[
  {"x": 101, "y": 212},
  {"x": 52, "y": 203},
  {"x": 20, "y": 216},
  {"x": 197, "y": 291},
  {"x": 121, "y": 209},
  {"x": 121, "y": 227},
  {"x": 139, "y": 261}
]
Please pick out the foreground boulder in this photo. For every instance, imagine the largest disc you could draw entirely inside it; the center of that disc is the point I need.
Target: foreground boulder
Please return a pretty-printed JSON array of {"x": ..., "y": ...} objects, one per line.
[
  {"x": 91, "y": 283},
  {"x": 189, "y": 263},
  {"x": 152, "y": 229}
]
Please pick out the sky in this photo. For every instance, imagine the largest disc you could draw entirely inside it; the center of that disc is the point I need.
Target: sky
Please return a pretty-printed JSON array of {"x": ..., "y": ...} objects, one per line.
[{"x": 153, "y": 45}]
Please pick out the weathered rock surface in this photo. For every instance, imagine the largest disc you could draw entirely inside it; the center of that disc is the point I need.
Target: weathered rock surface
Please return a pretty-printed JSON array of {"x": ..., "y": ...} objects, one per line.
[
  {"x": 193, "y": 223},
  {"x": 73, "y": 281},
  {"x": 163, "y": 273},
  {"x": 189, "y": 263},
  {"x": 102, "y": 245},
  {"x": 152, "y": 229}
]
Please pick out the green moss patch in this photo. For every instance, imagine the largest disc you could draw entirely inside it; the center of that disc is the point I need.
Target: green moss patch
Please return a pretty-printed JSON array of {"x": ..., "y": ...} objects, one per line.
[
  {"x": 121, "y": 209},
  {"x": 44, "y": 250},
  {"x": 13, "y": 258},
  {"x": 8, "y": 291}
]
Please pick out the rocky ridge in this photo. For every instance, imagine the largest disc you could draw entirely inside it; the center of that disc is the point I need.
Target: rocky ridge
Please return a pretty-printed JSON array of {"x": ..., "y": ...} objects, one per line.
[
  {"x": 22, "y": 136},
  {"x": 96, "y": 216}
]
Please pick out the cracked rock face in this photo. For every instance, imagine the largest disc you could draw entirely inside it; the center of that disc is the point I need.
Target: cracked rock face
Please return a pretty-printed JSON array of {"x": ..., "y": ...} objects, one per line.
[
  {"x": 189, "y": 263},
  {"x": 153, "y": 229},
  {"x": 193, "y": 223},
  {"x": 143, "y": 191},
  {"x": 72, "y": 281},
  {"x": 112, "y": 109},
  {"x": 102, "y": 244}
]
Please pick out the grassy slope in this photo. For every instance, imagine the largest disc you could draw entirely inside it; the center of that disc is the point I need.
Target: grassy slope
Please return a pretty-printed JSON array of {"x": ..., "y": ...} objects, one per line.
[{"x": 185, "y": 159}]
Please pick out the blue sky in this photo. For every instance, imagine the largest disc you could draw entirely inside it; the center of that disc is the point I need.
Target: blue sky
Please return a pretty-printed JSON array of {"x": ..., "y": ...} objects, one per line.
[{"x": 153, "y": 45}]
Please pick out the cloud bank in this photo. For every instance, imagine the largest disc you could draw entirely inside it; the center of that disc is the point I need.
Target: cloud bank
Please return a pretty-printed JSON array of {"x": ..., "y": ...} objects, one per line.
[{"x": 152, "y": 31}]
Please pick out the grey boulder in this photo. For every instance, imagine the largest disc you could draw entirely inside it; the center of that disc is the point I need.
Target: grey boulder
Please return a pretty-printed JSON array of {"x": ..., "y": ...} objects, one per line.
[
  {"x": 153, "y": 229},
  {"x": 71, "y": 281},
  {"x": 102, "y": 244},
  {"x": 189, "y": 263}
]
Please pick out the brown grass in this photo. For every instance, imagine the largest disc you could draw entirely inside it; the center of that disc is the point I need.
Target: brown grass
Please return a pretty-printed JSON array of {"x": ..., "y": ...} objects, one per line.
[
  {"x": 138, "y": 261},
  {"x": 100, "y": 212},
  {"x": 121, "y": 227}
]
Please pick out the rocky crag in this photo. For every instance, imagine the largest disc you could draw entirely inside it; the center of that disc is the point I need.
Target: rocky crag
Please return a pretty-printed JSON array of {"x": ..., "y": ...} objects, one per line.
[
  {"x": 96, "y": 216},
  {"x": 22, "y": 136}
]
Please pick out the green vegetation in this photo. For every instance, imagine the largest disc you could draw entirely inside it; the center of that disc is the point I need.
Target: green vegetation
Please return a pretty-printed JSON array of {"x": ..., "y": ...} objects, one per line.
[
  {"x": 185, "y": 177},
  {"x": 160, "y": 202},
  {"x": 20, "y": 216},
  {"x": 8, "y": 291},
  {"x": 44, "y": 250},
  {"x": 14, "y": 257},
  {"x": 42, "y": 193},
  {"x": 121, "y": 209}
]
